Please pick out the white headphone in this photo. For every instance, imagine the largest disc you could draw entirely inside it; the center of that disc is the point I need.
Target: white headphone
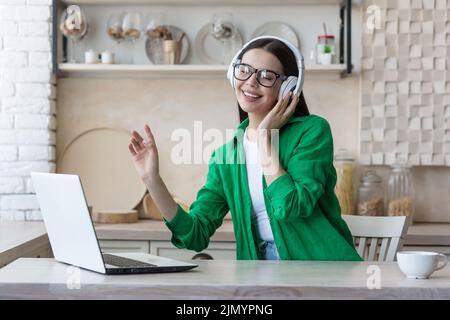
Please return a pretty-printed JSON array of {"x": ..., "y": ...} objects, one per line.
[{"x": 292, "y": 83}]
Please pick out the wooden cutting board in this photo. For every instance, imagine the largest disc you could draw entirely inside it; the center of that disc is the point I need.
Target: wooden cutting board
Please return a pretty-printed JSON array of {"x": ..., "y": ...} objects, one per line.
[
  {"x": 115, "y": 216},
  {"x": 151, "y": 211},
  {"x": 102, "y": 160}
]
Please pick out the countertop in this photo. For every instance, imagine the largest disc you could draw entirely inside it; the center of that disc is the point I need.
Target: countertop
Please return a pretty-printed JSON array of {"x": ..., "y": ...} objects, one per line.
[
  {"x": 19, "y": 238},
  {"x": 223, "y": 279}
]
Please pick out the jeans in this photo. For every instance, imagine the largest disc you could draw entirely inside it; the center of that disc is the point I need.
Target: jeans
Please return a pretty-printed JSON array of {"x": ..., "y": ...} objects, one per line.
[{"x": 268, "y": 250}]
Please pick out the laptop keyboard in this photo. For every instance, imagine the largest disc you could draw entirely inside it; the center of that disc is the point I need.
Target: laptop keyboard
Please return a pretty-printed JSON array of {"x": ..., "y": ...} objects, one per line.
[{"x": 124, "y": 262}]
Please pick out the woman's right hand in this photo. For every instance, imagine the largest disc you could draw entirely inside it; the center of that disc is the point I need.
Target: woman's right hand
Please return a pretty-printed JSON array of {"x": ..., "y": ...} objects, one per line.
[{"x": 145, "y": 155}]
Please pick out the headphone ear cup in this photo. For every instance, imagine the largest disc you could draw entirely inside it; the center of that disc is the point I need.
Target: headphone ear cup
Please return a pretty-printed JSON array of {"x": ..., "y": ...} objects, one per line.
[
  {"x": 230, "y": 72},
  {"x": 230, "y": 75},
  {"x": 287, "y": 85}
]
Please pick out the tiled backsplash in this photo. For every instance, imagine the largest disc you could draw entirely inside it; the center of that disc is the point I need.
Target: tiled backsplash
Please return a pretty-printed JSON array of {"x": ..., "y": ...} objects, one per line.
[{"x": 405, "y": 94}]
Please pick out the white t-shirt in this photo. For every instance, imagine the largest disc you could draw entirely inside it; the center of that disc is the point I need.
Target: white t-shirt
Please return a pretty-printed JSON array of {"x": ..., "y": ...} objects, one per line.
[{"x": 254, "y": 175}]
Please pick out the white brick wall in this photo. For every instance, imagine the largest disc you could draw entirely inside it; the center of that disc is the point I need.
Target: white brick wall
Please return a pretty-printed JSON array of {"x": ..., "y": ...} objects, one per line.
[{"x": 27, "y": 104}]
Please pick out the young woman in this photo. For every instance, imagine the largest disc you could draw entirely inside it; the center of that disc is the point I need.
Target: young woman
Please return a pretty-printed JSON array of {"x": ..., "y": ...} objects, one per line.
[{"x": 281, "y": 195}]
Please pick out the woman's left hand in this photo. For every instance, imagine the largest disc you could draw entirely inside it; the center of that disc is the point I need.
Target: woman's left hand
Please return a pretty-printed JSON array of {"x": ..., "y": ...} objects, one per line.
[{"x": 279, "y": 114}]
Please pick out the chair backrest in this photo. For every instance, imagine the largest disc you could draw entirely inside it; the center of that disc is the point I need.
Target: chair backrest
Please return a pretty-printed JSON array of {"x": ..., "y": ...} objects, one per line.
[{"x": 377, "y": 238}]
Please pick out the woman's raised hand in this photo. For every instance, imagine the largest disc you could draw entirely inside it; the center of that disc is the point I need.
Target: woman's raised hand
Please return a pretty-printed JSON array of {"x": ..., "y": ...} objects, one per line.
[
  {"x": 145, "y": 155},
  {"x": 280, "y": 113}
]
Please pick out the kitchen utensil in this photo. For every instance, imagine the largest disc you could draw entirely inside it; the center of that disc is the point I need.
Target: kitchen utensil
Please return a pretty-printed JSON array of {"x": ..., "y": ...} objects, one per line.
[
  {"x": 154, "y": 46},
  {"x": 115, "y": 216},
  {"x": 277, "y": 29},
  {"x": 172, "y": 51},
  {"x": 101, "y": 158}
]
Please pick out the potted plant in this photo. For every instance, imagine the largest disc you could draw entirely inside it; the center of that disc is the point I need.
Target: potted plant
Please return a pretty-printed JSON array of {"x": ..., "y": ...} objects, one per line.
[{"x": 327, "y": 54}]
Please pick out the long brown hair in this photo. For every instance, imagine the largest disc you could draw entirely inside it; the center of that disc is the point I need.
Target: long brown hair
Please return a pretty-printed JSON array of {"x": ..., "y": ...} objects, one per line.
[{"x": 290, "y": 68}]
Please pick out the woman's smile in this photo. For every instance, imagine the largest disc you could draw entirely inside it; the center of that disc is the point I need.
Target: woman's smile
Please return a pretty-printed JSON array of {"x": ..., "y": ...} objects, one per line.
[{"x": 250, "y": 96}]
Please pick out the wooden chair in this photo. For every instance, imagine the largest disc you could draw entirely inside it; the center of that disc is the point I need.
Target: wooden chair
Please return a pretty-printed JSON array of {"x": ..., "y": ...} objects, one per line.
[{"x": 377, "y": 238}]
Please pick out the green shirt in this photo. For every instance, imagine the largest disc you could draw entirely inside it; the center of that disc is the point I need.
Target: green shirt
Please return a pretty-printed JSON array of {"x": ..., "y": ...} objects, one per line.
[{"x": 302, "y": 207}]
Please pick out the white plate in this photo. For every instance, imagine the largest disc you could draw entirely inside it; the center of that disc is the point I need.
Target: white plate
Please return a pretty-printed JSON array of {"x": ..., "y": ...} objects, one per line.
[
  {"x": 102, "y": 160},
  {"x": 154, "y": 49},
  {"x": 277, "y": 29},
  {"x": 211, "y": 50}
]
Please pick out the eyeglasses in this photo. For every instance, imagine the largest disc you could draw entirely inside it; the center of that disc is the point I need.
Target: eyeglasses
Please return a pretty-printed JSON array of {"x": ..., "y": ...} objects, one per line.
[{"x": 264, "y": 77}]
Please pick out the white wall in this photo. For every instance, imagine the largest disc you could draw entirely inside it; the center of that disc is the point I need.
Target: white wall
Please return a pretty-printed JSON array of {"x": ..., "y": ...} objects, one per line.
[{"x": 27, "y": 106}]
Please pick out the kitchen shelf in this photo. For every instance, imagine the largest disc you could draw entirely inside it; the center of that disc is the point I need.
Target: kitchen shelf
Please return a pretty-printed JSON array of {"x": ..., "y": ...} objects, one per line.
[
  {"x": 203, "y": 2},
  {"x": 334, "y": 71},
  {"x": 178, "y": 71}
]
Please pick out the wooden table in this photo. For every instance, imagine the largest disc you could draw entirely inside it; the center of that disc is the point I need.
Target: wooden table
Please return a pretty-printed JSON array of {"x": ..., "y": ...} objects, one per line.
[{"x": 222, "y": 279}]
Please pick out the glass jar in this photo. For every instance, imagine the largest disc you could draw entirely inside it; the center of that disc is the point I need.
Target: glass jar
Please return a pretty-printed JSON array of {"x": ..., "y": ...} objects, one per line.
[
  {"x": 371, "y": 195},
  {"x": 325, "y": 49},
  {"x": 400, "y": 190},
  {"x": 345, "y": 168}
]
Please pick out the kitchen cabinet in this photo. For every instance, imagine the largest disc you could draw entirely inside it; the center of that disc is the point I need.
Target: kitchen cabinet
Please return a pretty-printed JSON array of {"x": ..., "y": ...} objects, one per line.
[
  {"x": 111, "y": 246},
  {"x": 215, "y": 250},
  {"x": 194, "y": 7},
  {"x": 152, "y": 236}
]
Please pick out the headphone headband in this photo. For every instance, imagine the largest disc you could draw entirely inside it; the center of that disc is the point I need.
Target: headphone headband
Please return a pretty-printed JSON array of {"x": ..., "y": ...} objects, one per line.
[{"x": 298, "y": 56}]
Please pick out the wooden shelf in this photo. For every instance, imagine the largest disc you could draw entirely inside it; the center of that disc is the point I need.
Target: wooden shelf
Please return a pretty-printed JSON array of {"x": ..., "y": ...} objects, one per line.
[
  {"x": 178, "y": 71},
  {"x": 203, "y": 2}
]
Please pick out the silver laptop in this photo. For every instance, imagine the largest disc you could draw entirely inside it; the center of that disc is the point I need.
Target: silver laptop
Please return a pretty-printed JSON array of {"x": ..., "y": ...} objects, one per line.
[{"x": 72, "y": 234}]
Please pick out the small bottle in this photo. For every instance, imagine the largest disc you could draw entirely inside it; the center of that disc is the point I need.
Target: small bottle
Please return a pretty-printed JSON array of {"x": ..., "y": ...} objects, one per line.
[
  {"x": 345, "y": 167},
  {"x": 371, "y": 195},
  {"x": 400, "y": 190}
]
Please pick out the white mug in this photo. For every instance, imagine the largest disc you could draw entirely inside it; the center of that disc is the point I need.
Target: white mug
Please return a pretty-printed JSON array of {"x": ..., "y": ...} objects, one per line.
[
  {"x": 107, "y": 57},
  {"x": 91, "y": 56},
  {"x": 420, "y": 264}
]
